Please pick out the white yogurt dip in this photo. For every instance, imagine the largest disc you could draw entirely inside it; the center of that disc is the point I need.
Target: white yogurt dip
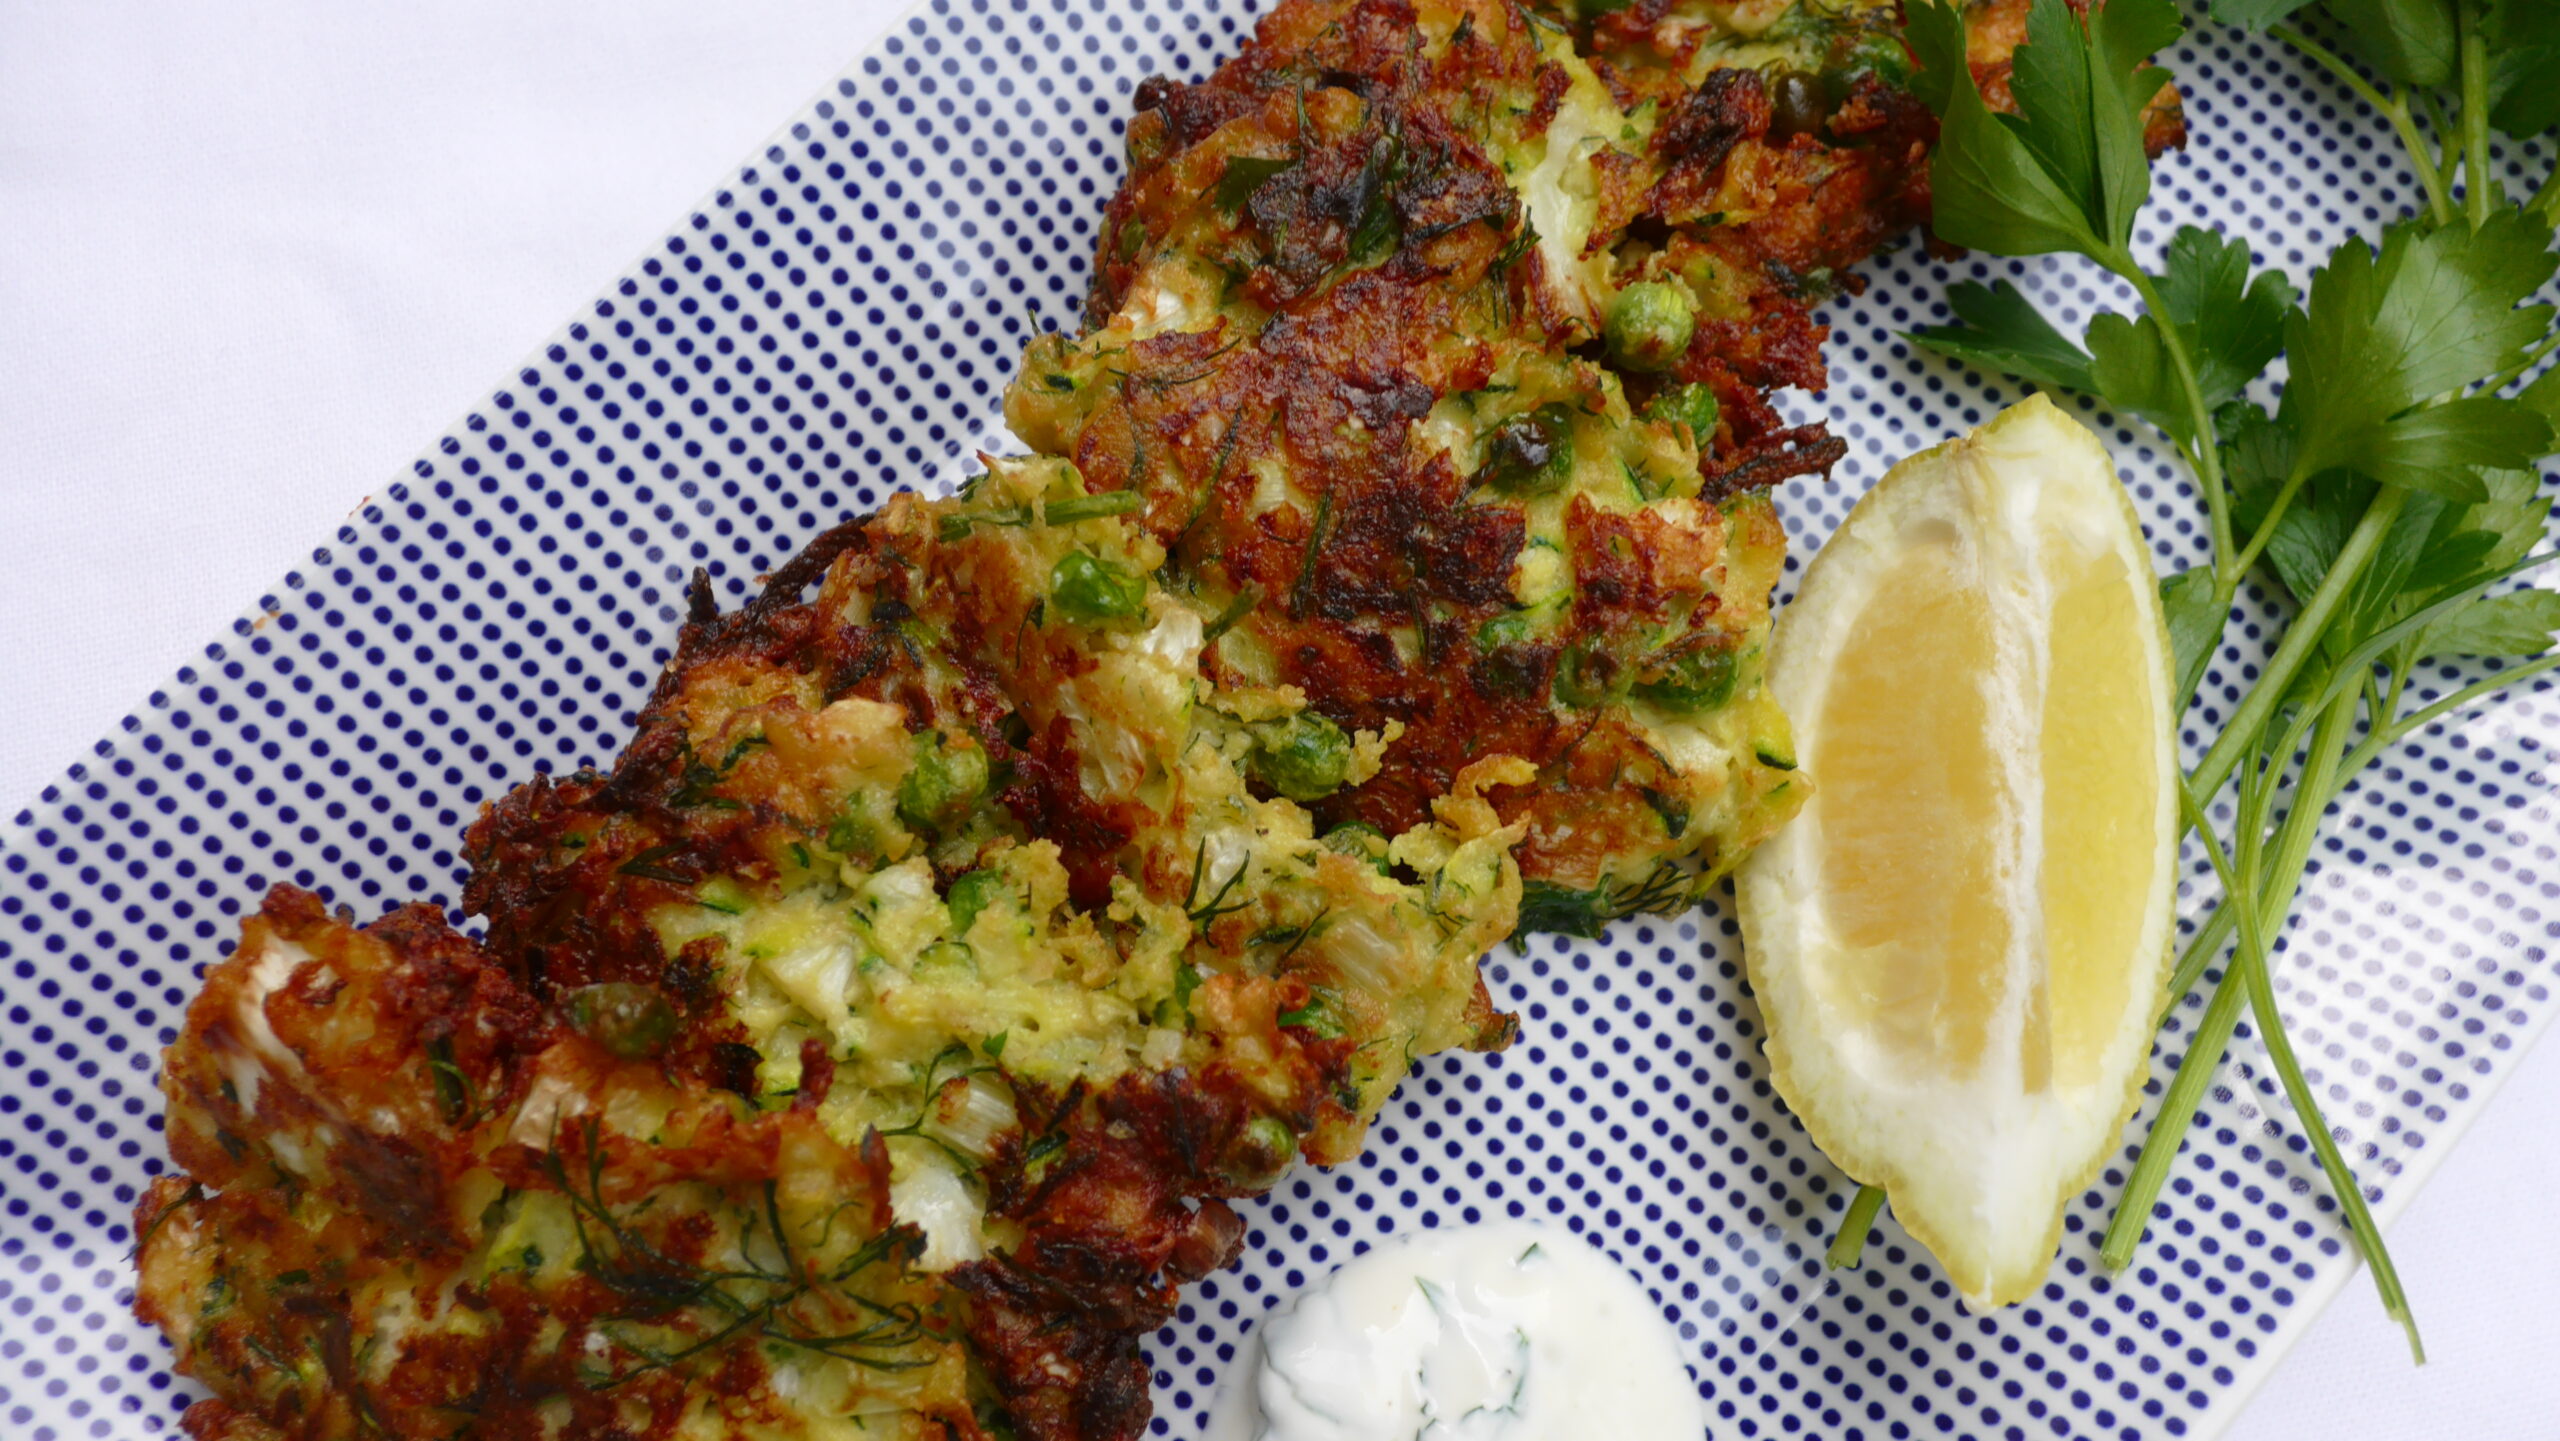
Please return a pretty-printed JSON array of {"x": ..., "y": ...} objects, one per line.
[{"x": 1500, "y": 1332}]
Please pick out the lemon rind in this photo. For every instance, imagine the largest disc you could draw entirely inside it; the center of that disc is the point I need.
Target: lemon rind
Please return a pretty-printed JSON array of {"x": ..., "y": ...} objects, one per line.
[{"x": 1771, "y": 915}]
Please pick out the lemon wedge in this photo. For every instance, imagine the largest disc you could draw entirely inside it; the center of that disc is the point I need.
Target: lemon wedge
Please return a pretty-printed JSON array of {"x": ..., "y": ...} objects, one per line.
[{"x": 1960, "y": 945}]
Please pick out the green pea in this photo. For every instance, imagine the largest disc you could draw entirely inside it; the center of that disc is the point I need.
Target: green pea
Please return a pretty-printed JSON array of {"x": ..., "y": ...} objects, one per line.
[
  {"x": 972, "y": 894},
  {"x": 945, "y": 784},
  {"x": 1304, "y": 757},
  {"x": 1694, "y": 680},
  {"x": 1509, "y": 628},
  {"x": 1260, "y": 1153},
  {"x": 1649, "y": 325},
  {"x": 630, "y": 1020},
  {"x": 1882, "y": 52},
  {"x": 852, "y": 835},
  {"x": 1360, "y": 841},
  {"x": 1692, "y": 405},
  {"x": 1095, "y": 591},
  {"x": 1587, "y": 677},
  {"x": 1531, "y": 454}
]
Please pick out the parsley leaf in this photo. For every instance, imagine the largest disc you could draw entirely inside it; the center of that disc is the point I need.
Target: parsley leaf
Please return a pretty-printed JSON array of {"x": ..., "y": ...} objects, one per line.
[
  {"x": 2384, "y": 590},
  {"x": 2443, "y": 448},
  {"x": 1988, "y": 189},
  {"x": 2000, "y": 329},
  {"x": 2513, "y": 516},
  {"x": 2233, "y": 323},
  {"x": 2434, "y": 549},
  {"x": 2515, "y": 625},
  {"x": 2129, "y": 360},
  {"x": 2453, "y": 557},
  {"x": 2311, "y": 534},
  {"x": 2124, "y": 35},
  {"x": 2256, "y": 14},
  {"x": 2523, "y": 23},
  {"x": 2524, "y": 36},
  {"x": 2195, "y": 619},
  {"x": 2067, "y": 172},
  {"x": 2544, "y": 396},
  {"x": 2410, "y": 41},
  {"x": 2050, "y": 81},
  {"x": 2472, "y": 545},
  {"x": 2427, "y": 314},
  {"x": 2522, "y": 101},
  {"x": 2435, "y": 310},
  {"x": 2314, "y": 528}
]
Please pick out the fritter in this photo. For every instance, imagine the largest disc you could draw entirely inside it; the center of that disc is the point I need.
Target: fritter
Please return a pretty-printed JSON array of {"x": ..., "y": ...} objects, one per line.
[
  {"x": 1372, "y": 336},
  {"x": 851, "y": 1058}
]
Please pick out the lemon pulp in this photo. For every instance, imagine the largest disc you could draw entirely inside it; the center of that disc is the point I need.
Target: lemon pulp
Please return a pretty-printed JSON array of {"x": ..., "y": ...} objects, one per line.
[
  {"x": 1910, "y": 794},
  {"x": 2101, "y": 801}
]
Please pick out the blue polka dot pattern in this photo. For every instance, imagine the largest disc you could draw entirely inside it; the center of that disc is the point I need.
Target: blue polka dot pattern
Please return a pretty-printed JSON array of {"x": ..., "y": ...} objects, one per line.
[{"x": 838, "y": 320}]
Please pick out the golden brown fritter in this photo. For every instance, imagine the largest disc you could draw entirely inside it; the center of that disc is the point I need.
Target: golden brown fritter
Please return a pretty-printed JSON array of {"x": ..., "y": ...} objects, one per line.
[
  {"x": 1359, "y": 340},
  {"x": 934, "y": 910}
]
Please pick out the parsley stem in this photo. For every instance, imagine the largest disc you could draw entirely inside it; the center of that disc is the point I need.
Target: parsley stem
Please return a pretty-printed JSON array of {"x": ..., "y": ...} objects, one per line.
[
  {"x": 2205, "y": 1045},
  {"x": 2401, "y": 665},
  {"x": 2480, "y": 184},
  {"x": 2217, "y": 927},
  {"x": 2398, "y": 641},
  {"x": 2266, "y": 530},
  {"x": 2478, "y": 690},
  {"x": 2547, "y": 197},
  {"x": 2202, "y": 453},
  {"x": 2395, "y": 109},
  {"x": 2321, "y": 780},
  {"x": 2258, "y": 707},
  {"x": 1851, "y": 1243},
  {"x": 2251, "y": 963},
  {"x": 2168, "y": 1129},
  {"x": 2265, "y": 904},
  {"x": 2448, "y": 142},
  {"x": 2199, "y": 954},
  {"x": 2342, "y": 1179}
]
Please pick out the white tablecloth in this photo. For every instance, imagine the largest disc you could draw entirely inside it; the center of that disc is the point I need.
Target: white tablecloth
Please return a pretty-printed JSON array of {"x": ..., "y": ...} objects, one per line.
[{"x": 254, "y": 254}]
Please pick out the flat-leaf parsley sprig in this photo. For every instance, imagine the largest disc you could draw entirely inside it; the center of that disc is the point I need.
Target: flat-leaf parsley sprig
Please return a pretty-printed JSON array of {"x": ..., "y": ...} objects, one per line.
[{"x": 2389, "y": 493}]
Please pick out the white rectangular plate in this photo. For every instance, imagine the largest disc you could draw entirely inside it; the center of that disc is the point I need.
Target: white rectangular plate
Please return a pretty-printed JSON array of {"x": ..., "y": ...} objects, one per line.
[{"x": 837, "y": 321}]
